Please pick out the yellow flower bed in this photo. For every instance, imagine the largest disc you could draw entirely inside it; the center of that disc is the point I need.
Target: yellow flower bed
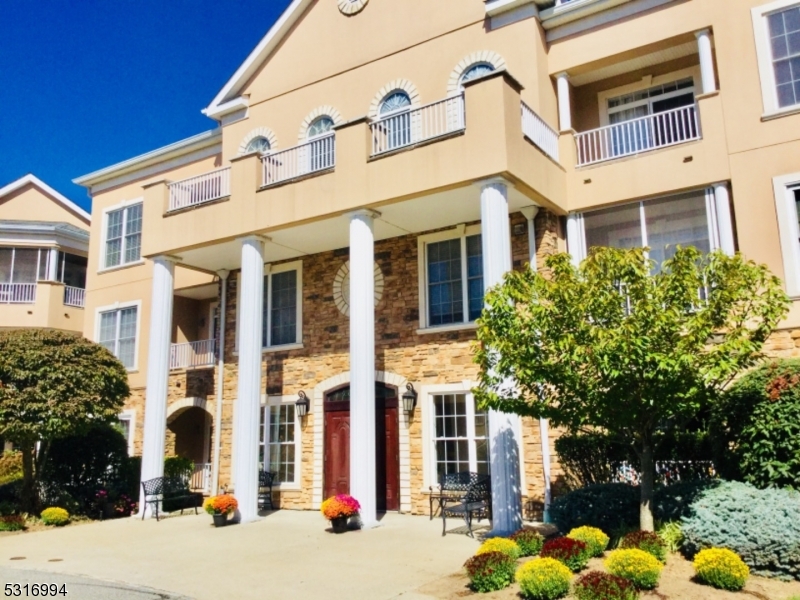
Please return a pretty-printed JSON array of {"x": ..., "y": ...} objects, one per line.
[
  {"x": 55, "y": 516},
  {"x": 596, "y": 541},
  {"x": 544, "y": 579},
  {"x": 721, "y": 568},
  {"x": 503, "y": 545},
  {"x": 641, "y": 568}
]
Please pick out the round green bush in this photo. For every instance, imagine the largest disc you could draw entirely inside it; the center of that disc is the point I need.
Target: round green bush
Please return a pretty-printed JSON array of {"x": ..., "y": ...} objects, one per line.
[
  {"x": 490, "y": 571},
  {"x": 641, "y": 568},
  {"x": 596, "y": 585},
  {"x": 721, "y": 568},
  {"x": 761, "y": 526},
  {"x": 543, "y": 579},
  {"x": 503, "y": 545},
  {"x": 607, "y": 506},
  {"x": 573, "y": 553},
  {"x": 596, "y": 541},
  {"x": 530, "y": 542},
  {"x": 647, "y": 541},
  {"x": 55, "y": 516}
]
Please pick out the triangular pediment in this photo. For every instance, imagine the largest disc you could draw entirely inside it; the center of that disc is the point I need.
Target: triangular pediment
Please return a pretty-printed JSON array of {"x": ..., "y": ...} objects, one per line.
[{"x": 31, "y": 199}]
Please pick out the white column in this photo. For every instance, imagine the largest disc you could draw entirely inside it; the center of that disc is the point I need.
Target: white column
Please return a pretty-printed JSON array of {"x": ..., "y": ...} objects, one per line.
[
  {"x": 155, "y": 407},
  {"x": 248, "y": 400},
  {"x": 706, "y": 61},
  {"x": 220, "y": 383},
  {"x": 530, "y": 212},
  {"x": 504, "y": 428},
  {"x": 575, "y": 238},
  {"x": 362, "y": 364},
  {"x": 722, "y": 200},
  {"x": 52, "y": 264},
  {"x": 564, "y": 107}
]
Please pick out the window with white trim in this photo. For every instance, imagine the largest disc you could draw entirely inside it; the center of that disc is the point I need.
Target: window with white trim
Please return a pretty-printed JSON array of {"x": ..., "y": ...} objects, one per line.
[
  {"x": 117, "y": 332},
  {"x": 474, "y": 71},
  {"x": 777, "y": 35},
  {"x": 787, "y": 205},
  {"x": 23, "y": 265},
  {"x": 278, "y": 449},
  {"x": 453, "y": 277},
  {"x": 460, "y": 435},
  {"x": 282, "y": 324},
  {"x": 123, "y": 236},
  {"x": 126, "y": 424},
  {"x": 661, "y": 224}
]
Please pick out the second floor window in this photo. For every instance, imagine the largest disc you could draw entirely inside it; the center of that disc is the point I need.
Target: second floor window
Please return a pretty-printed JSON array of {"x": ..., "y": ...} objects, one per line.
[
  {"x": 123, "y": 236},
  {"x": 281, "y": 325},
  {"x": 784, "y": 34},
  {"x": 454, "y": 277},
  {"x": 118, "y": 334}
]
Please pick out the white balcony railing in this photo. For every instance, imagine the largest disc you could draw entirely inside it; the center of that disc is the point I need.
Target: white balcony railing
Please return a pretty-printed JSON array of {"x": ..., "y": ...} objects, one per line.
[
  {"x": 660, "y": 130},
  {"x": 418, "y": 125},
  {"x": 17, "y": 293},
  {"x": 540, "y": 133},
  {"x": 192, "y": 354},
  {"x": 74, "y": 296},
  {"x": 201, "y": 477},
  {"x": 200, "y": 189},
  {"x": 309, "y": 157}
]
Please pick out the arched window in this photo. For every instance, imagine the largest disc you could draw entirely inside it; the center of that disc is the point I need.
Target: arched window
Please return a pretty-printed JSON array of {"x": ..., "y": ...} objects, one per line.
[
  {"x": 258, "y": 144},
  {"x": 476, "y": 70},
  {"x": 393, "y": 102},
  {"x": 319, "y": 127}
]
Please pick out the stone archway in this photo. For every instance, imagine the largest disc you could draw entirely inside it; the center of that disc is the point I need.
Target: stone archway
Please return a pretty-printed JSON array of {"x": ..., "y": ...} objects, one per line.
[{"x": 189, "y": 425}]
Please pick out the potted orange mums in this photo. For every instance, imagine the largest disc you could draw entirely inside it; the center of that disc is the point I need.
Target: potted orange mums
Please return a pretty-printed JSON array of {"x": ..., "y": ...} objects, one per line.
[
  {"x": 338, "y": 509},
  {"x": 220, "y": 507}
]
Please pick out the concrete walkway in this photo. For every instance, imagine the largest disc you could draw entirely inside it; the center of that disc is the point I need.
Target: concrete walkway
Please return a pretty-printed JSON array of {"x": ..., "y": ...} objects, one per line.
[{"x": 288, "y": 554}]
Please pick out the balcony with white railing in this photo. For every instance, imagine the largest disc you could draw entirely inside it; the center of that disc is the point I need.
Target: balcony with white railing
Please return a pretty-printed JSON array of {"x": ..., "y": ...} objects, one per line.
[
  {"x": 314, "y": 156},
  {"x": 413, "y": 126},
  {"x": 17, "y": 293},
  {"x": 540, "y": 133},
  {"x": 201, "y": 478},
  {"x": 659, "y": 130},
  {"x": 74, "y": 296},
  {"x": 191, "y": 355},
  {"x": 200, "y": 189}
]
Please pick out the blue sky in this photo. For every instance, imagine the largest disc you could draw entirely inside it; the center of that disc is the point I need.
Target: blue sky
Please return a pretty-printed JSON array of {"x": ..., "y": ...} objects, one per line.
[{"x": 87, "y": 83}]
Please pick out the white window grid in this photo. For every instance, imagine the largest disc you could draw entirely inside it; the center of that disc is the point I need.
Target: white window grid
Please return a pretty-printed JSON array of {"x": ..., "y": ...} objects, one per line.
[
  {"x": 123, "y": 236},
  {"x": 467, "y": 430},
  {"x": 279, "y": 440},
  {"x": 766, "y": 59},
  {"x": 787, "y": 195},
  {"x": 118, "y": 332}
]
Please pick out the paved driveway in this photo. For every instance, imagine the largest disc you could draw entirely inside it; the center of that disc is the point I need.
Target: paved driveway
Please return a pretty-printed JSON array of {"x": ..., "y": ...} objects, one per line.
[{"x": 288, "y": 554}]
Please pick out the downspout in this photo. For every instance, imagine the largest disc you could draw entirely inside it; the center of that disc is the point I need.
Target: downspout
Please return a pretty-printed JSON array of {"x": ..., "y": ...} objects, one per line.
[
  {"x": 223, "y": 303},
  {"x": 544, "y": 427}
]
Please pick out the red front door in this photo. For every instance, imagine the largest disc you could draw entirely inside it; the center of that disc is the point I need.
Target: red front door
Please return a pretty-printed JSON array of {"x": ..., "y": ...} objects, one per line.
[{"x": 387, "y": 446}]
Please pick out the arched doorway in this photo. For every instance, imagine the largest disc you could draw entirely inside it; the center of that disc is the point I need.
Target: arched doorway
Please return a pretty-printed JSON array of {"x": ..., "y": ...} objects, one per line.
[{"x": 387, "y": 445}]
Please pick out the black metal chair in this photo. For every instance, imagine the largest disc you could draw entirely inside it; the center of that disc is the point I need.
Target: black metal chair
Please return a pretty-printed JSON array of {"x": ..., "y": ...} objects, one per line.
[
  {"x": 168, "y": 490},
  {"x": 452, "y": 486},
  {"x": 476, "y": 502},
  {"x": 265, "y": 482}
]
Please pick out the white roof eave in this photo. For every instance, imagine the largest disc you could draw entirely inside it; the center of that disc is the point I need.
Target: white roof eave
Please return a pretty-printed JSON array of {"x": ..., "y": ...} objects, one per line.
[{"x": 32, "y": 179}]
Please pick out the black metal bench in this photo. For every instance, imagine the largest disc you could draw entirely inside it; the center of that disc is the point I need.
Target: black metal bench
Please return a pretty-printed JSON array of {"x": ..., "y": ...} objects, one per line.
[
  {"x": 169, "y": 490},
  {"x": 265, "y": 482},
  {"x": 452, "y": 486},
  {"x": 476, "y": 502}
]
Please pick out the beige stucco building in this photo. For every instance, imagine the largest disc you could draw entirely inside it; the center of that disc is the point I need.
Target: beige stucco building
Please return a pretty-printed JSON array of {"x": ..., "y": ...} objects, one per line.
[{"x": 375, "y": 166}]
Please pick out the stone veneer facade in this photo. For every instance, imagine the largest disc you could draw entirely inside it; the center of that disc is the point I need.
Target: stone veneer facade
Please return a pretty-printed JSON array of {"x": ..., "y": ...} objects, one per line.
[{"x": 401, "y": 353}]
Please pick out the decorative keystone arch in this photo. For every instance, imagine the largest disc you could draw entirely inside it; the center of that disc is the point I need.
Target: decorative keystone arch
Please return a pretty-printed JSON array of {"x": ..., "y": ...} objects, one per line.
[
  {"x": 397, "y": 85},
  {"x": 322, "y": 111},
  {"x": 483, "y": 56},
  {"x": 259, "y": 132},
  {"x": 318, "y": 410},
  {"x": 178, "y": 407}
]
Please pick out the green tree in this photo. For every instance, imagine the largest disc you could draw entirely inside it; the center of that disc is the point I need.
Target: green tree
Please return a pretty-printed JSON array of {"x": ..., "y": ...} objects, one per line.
[
  {"x": 620, "y": 345},
  {"x": 52, "y": 385}
]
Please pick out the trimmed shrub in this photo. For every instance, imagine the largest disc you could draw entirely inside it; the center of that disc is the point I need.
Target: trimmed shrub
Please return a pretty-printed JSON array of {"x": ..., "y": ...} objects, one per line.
[
  {"x": 607, "y": 506},
  {"x": 671, "y": 533},
  {"x": 543, "y": 579},
  {"x": 573, "y": 553},
  {"x": 761, "y": 526},
  {"x": 641, "y": 568},
  {"x": 490, "y": 571},
  {"x": 596, "y": 541},
  {"x": 756, "y": 426},
  {"x": 721, "y": 568},
  {"x": 596, "y": 585},
  {"x": 12, "y": 523},
  {"x": 674, "y": 502},
  {"x": 55, "y": 516},
  {"x": 498, "y": 544},
  {"x": 530, "y": 542},
  {"x": 647, "y": 541}
]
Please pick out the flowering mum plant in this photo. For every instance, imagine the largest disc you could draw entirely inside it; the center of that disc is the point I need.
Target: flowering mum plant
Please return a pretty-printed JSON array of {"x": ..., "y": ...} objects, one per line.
[
  {"x": 490, "y": 571},
  {"x": 573, "y": 553},
  {"x": 220, "y": 505},
  {"x": 339, "y": 506}
]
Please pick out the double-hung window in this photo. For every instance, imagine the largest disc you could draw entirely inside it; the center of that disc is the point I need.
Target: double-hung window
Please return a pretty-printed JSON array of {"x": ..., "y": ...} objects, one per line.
[
  {"x": 787, "y": 204},
  {"x": 282, "y": 324},
  {"x": 777, "y": 33},
  {"x": 460, "y": 435},
  {"x": 123, "y": 236},
  {"x": 118, "y": 331},
  {"x": 279, "y": 440},
  {"x": 453, "y": 278}
]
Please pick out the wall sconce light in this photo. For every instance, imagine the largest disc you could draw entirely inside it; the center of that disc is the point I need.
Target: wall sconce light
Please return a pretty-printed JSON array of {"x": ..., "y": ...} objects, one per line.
[
  {"x": 302, "y": 404},
  {"x": 409, "y": 399}
]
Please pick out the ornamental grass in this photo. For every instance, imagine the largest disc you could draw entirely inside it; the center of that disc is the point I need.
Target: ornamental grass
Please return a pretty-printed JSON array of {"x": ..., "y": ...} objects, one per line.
[
  {"x": 490, "y": 571},
  {"x": 498, "y": 544},
  {"x": 596, "y": 585},
  {"x": 224, "y": 504},
  {"x": 596, "y": 541},
  {"x": 572, "y": 553},
  {"x": 641, "y": 568},
  {"x": 721, "y": 568},
  {"x": 340, "y": 506},
  {"x": 530, "y": 542},
  {"x": 543, "y": 579}
]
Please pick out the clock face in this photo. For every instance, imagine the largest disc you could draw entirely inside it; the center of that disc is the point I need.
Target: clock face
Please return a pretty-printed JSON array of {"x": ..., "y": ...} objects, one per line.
[
  {"x": 351, "y": 7},
  {"x": 341, "y": 288}
]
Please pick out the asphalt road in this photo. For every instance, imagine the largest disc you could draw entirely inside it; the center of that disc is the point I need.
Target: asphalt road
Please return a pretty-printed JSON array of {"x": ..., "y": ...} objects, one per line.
[{"x": 78, "y": 588}]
